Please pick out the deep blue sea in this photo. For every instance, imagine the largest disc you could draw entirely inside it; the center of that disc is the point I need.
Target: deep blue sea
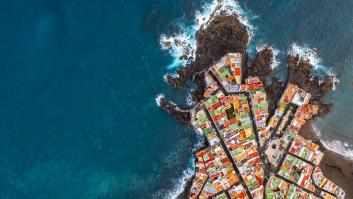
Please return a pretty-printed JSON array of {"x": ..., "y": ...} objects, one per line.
[{"x": 78, "y": 82}]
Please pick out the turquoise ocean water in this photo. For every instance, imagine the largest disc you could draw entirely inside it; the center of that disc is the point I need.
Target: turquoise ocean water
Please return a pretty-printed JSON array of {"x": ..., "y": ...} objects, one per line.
[{"x": 78, "y": 83}]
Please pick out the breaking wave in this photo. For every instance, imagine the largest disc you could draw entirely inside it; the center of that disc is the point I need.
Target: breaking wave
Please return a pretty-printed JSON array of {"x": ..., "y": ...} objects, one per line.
[
  {"x": 340, "y": 147},
  {"x": 180, "y": 184},
  {"x": 275, "y": 62},
  {"x": 158, "y": 99},
  {"x": 200, "y": 142},
  {"x": 182, "y": 46},
  {"x": 189, "y": 100},
  {"x": 187, "y": 174},
  {"x": 310, "y": 54}
]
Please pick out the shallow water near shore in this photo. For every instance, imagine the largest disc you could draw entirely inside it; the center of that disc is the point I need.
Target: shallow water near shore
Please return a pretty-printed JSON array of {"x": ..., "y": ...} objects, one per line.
[
  {"x": 327, "y": 29},
  {"x": 320, "y": 31},
  {"x": 77, "y": 108},
  {"x": 79, "y": 81}
]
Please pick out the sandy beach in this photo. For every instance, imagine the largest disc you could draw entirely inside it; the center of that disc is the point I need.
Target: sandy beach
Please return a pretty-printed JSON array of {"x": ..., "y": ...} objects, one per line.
[{"x": 334, "y": 166}]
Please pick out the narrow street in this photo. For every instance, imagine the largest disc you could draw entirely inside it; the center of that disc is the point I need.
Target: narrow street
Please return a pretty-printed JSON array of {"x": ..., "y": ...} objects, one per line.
[{"x": 228, "y": 154}]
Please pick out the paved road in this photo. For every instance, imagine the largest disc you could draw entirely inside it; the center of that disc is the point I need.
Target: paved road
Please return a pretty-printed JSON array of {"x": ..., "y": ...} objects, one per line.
[
  {"x": 260, "y": 149},
  {"x": 228, "y": 154},
  {"x": 288, "y": 181}
]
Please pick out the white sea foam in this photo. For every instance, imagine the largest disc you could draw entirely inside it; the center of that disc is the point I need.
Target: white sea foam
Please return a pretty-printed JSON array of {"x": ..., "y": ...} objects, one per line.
[
  {"x": 181, "y": 182},
  {"x": 183, "y": 44},
  {"x": 187, "y": 174},
  {"x": 165, "y": 78},
  {"x": 216, "y": 7},
  {"x": 275, "y": 62},
  {"x": 179, "y": 45},
  {"x": 200, "y": 141},
  {"x": 174, "y": 75},
  {"x": 158, "y": 99},
  {"x": 310, "y": 54},
  {"x": 335, "y": 80},
  {"x": 189, "y": 100},
  {"x": 340, "y": 147}
]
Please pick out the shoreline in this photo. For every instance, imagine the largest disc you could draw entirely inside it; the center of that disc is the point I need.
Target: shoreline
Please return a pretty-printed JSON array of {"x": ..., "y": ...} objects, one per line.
[
  {"x": 186, "y": 189},
  {"x": 213, "y": 42},
  {"x": 335, "y": 167}
]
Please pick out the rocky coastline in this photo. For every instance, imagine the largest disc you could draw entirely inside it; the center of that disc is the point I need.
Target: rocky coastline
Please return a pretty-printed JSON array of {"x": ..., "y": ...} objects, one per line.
[
  {"x": 300, "y": 73},
  {"x": 213, "y": 43},
  {"x": 226, "y": 34},
  {"x": 181, "y": 115},
  {"x": 188, "y": 184}
]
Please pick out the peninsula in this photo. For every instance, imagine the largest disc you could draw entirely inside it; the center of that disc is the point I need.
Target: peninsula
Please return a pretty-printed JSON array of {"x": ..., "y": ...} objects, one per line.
[{"x": 252, "y": 121}]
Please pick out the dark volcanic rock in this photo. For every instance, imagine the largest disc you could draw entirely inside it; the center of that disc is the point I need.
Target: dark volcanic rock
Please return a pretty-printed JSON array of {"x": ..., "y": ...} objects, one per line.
[
  {"x": 187, "y": 189},
  {"x": 274, "y": 90},
  {"x": 224, "y": 34},
  {"x": 180, "y": 115},
  {"x": 325, "y": 108},
  {"x": 300, "y": 73},
  {"x": 199, "y": 80},
  {"x": 261, "y": 67},
  {"x": 262, "y": 64}
]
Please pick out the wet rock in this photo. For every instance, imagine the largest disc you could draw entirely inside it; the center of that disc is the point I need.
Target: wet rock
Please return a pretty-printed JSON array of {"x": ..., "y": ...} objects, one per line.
[
  {"x": 224, "y": 34},
  {"x": 199, "y": 80},
  {"x": 187, "y": 189},
  {"x": 325, "y": 108},
  {"x": 300, "y": 72},
  {"x": 179, "y": 114},
  {"x": 262, "y": 64}
]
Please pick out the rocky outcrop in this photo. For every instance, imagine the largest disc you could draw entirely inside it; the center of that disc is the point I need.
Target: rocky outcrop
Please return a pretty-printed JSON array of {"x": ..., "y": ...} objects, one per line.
[
  {"x": 187, "y": 188},
  {"x": 262, "y": 64},
  {"x": 199, "y": 80},
  {"x": 274, "y": 90},
  {"x": 325, "y": 108},
  {"x": 261, "y": 67},
  {"x": 179, "y": 114},
  {"x": 300, "y": 72},
  {"x": 226, "y": 34},
  {"x": 223, "y": 34}
]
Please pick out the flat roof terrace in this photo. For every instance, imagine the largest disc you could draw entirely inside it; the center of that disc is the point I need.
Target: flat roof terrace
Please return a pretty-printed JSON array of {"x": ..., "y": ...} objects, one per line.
[{"x": 228, "y": 72}]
